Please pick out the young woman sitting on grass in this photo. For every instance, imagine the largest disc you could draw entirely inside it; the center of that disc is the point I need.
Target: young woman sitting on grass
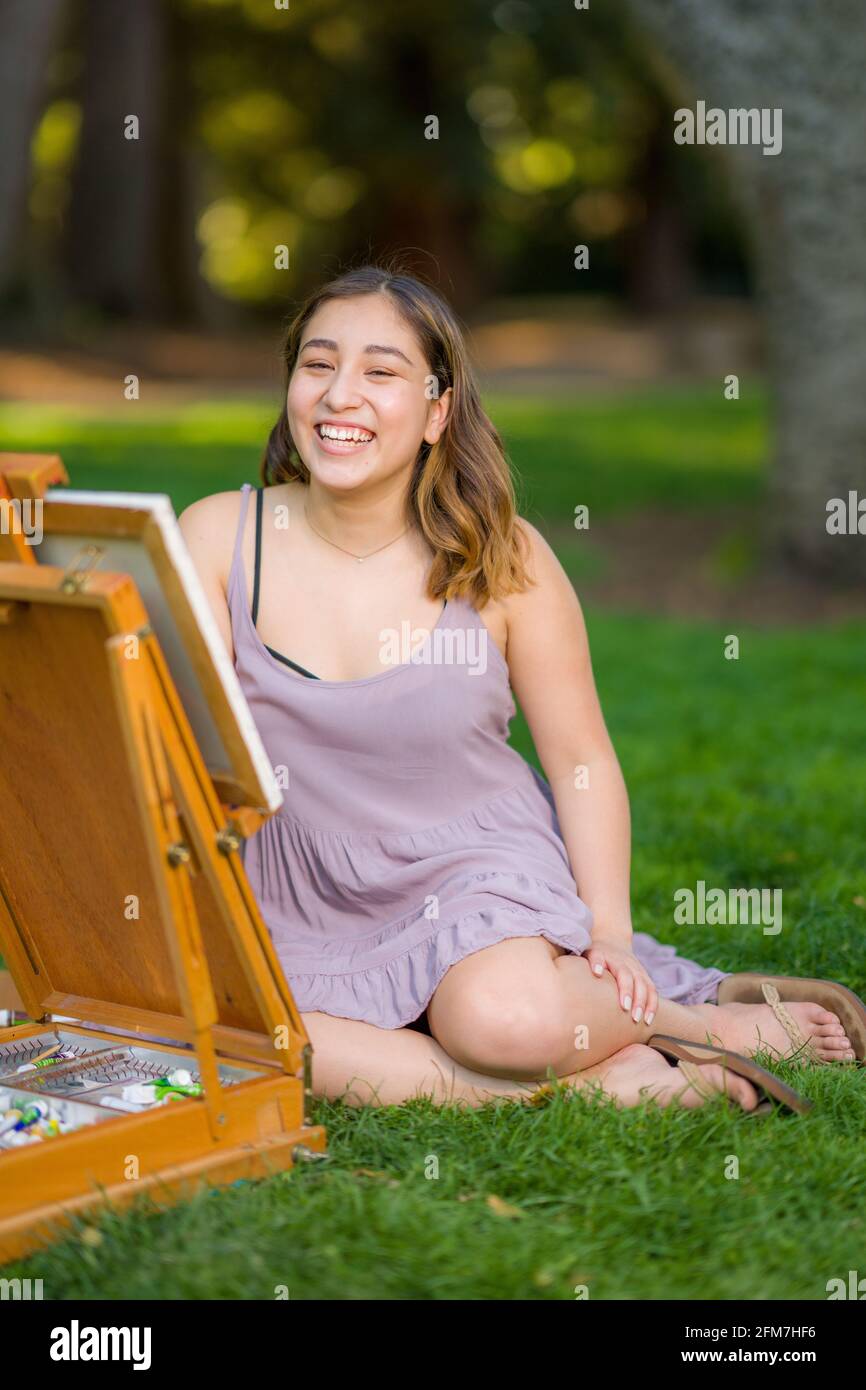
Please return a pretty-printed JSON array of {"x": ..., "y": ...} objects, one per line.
[{"x": 449, "y": 921}]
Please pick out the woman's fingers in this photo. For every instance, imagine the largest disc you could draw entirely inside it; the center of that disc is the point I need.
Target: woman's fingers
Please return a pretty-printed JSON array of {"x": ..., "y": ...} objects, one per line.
[
  {"x": 597, "y": 960},
  {"x": 637, "y": 993},
  {"x": 652, "y": 1002},
  {"x": 625, "y": 981},
  {"x": 640, "y": 997},
  {"x": 598, "y": 963}
]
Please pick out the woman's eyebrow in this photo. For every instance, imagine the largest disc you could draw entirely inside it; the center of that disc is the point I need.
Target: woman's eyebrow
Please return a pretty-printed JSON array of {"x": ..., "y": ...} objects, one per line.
[{"x": 369, "y": 349}]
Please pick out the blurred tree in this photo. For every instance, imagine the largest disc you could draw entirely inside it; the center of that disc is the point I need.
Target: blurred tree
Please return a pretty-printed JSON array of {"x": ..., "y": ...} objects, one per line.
[
  {"x": 276, "y": 144},
  {"x": 28, "y": 33},
  {"x": 310, "y": 128},
  {"x": 112, "y": 233},
  {"x": 805, "y": 209}
]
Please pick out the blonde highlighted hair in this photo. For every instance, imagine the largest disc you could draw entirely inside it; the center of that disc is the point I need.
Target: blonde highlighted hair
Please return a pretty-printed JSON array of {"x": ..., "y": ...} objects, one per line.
[{"x": 461, "y": 493}]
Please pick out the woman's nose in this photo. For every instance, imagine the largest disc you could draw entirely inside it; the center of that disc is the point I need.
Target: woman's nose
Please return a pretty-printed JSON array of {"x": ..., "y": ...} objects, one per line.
[{"x": 343, "y": 391}]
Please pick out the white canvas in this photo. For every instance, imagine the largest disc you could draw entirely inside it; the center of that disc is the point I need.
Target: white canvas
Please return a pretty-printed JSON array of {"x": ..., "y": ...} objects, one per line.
[{"x": 130, "y": 556}]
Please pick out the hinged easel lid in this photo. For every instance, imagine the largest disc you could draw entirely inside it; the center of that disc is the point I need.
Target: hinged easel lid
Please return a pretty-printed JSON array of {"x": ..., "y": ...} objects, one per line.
[
  {"x": 137, "y": 533},
  {"x": 88, "y": 928}
]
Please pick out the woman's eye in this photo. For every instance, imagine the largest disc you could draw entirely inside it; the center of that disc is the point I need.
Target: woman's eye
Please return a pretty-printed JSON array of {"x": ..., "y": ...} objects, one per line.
[{"x": 376, "y": 371}]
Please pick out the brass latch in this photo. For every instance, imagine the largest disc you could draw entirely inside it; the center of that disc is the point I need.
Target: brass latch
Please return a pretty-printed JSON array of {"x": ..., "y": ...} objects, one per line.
[
  {"x": 307, "y": 1054},
  {"x": 76, "y": 573},
  {"x": 228, "y": 840}
]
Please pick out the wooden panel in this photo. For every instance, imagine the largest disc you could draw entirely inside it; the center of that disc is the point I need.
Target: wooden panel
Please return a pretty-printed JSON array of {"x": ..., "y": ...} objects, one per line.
[
  {"x": 80, "y": 923},
  {"x": 73, "y": 861}
]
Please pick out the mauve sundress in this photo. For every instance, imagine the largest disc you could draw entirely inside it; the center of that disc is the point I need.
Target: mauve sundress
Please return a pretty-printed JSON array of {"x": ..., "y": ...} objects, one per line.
[{"x": 411, "y": 833}]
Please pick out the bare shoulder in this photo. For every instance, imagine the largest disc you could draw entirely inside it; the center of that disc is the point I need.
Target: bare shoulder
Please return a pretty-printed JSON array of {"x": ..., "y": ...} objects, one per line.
[
  {"x": 549, "y": 582},
  {"x": 535, "y": 547},
  {"x": 524, "y": 618},
  {"x": 204, "y": 510},
  {"x": 209, "y": 526},
  {"x": 546, "y": 630}
]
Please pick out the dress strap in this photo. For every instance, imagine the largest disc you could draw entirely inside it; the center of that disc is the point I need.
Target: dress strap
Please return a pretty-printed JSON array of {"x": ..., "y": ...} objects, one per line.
[
  {"x": 257, "y": 575},
  {"x": 237, "y": 570},
  {"x": 260, "y": 495},
  {"x": 239, "y": 534}
]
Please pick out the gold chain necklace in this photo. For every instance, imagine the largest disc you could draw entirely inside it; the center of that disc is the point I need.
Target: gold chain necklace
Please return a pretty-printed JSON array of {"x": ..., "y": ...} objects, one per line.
[{"x": 359, "y": 558}]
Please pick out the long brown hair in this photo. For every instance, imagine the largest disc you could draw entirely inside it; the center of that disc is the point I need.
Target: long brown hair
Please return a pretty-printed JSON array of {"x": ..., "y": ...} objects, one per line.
[{"x": 461, "y": 493}]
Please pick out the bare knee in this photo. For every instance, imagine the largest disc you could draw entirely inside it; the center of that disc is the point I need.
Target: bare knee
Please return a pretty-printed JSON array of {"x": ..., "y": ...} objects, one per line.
[{"x": 517, "y": 1035}]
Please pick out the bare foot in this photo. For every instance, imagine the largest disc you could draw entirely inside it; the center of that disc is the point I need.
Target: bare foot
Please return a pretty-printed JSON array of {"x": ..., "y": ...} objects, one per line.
[
  {"x": 750, "y": 1028},
  {"x": 636, "y": 1074}
]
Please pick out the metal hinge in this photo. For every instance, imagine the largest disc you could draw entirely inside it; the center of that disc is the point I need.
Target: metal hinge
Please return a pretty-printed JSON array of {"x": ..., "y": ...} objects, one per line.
[
  {"x": 307, "y": 1055},
  {"x": 228, "y": 840},
  {"x": 77, "y": 571}
]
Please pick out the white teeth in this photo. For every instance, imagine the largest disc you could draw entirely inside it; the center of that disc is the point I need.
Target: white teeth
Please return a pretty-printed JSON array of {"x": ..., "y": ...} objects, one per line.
[{"x": 353, "y": 436}]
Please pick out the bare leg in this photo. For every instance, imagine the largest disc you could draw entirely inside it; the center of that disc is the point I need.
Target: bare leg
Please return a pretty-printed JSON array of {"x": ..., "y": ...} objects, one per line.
[
  {"x": 745, "y": 1028},
  {"x": 365, "y": 1065},
  {"x": 518, "y": 1007}
]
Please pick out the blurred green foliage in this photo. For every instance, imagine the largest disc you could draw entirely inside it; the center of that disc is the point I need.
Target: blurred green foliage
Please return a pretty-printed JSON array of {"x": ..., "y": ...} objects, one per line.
[
  {"x": 493, "y": 137},
  {"x": 669, "y": 446}
]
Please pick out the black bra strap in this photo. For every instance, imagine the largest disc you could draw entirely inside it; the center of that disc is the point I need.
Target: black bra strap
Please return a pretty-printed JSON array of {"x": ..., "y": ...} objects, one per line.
[
  {"x": 259, "y": 500},
  {"x": 286, "y": 662},
  {"x": 255, "y": 611}
]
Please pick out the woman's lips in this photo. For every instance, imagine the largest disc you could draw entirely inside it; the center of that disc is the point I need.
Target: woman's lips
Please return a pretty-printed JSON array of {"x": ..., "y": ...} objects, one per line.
[{"x": 341, "y": 446}]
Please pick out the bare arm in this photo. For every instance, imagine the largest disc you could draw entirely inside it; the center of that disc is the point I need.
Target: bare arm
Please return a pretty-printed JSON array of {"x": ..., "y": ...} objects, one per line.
[
  {"x": 206, "y": 526},
  {"x": 551, "y": 675}
]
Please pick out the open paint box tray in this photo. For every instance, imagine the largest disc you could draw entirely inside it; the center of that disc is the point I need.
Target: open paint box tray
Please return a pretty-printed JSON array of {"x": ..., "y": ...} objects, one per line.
[
  {"x": 90, "y": 1080},
  {"x": 127, "y": 924}
]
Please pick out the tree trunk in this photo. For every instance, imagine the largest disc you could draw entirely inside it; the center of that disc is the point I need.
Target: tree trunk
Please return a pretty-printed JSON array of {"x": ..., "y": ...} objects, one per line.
[
  {"x": 660, "y": 266},
  {"x": 113, "y": 244},
  {"x": 27, "y": 34},
  {"x": 806, "y": 212},
  {"x": 432, "y": 218}
]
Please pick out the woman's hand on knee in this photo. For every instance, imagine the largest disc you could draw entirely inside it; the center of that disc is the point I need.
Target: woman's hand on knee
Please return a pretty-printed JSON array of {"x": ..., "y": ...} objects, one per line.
[{"x": 637, "y": 993}]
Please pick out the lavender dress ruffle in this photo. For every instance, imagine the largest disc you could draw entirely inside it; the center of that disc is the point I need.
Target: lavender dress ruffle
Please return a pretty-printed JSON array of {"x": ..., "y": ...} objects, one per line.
[{"x": 411, "y": 833}]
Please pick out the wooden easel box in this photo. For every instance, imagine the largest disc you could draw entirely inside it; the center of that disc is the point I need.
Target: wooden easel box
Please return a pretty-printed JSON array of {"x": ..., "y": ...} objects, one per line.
[{"x": 124, "y": 906}]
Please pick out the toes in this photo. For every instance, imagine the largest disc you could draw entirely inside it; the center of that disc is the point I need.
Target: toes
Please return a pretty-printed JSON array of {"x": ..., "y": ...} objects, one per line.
[
  {"x": 832, "y": 1043},
  {"x": 824, "y": 1016},
  {"x": 828, "y": 1055}
]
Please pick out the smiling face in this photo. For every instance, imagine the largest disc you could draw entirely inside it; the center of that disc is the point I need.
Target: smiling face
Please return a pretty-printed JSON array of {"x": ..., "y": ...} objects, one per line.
[{"x": 356, "y": 401}]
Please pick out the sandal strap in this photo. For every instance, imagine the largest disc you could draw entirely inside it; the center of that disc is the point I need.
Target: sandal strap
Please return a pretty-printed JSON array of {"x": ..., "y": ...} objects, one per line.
[
  {"x": 805, "y": 1049},
  {"x": 692, "y": 1072}
]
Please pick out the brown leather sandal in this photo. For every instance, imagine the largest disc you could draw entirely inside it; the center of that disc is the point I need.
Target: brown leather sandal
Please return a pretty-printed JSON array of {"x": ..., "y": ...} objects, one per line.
[
  {"x": 692, "y": 1055},
  {"x": 777, "y": 990}
]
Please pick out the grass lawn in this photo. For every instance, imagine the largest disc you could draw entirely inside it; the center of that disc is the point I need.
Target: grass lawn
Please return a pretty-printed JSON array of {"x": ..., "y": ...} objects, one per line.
[{"x": 743, "y": 773}]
